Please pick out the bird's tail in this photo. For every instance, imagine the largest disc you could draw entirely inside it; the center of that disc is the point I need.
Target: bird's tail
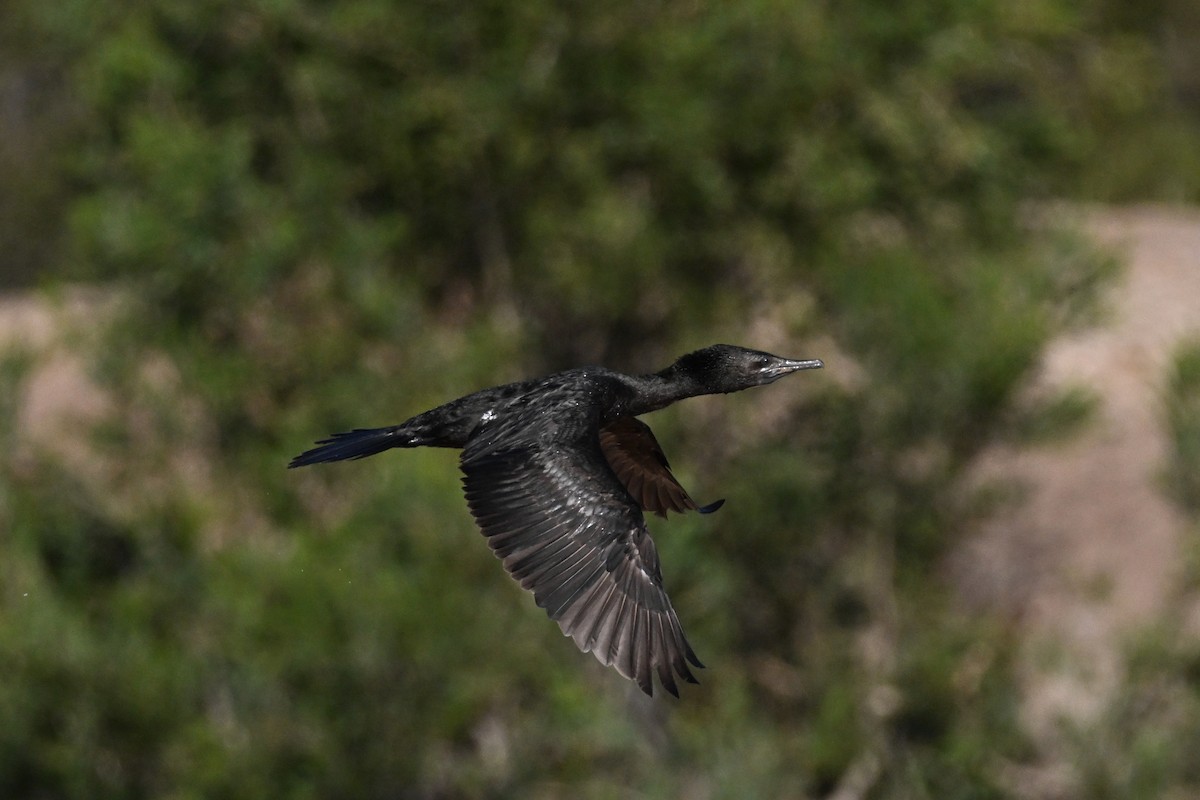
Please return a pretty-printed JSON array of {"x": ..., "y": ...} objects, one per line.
[{"x": 358, "y": 443}]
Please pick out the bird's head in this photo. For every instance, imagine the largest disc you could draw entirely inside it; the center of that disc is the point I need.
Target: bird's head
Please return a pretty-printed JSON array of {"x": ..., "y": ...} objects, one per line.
[{"x": 724, "y": 368}]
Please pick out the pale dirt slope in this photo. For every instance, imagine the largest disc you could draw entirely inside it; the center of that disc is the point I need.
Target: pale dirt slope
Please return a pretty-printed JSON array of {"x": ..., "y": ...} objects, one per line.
[{"x": 1093, "y": 548}]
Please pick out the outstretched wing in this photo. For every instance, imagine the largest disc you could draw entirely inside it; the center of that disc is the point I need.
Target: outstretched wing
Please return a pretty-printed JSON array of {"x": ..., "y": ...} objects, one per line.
[
  {"x": 639, "y": 463},
  {"x": 567, "y": 530}
]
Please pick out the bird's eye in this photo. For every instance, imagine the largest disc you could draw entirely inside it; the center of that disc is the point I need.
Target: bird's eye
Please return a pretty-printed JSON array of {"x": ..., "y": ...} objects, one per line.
[{"x": 761, "y": 361}]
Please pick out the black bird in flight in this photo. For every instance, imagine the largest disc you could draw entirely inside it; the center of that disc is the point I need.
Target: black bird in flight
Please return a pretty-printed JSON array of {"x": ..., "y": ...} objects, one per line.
[{"x": 557, "y": 472}]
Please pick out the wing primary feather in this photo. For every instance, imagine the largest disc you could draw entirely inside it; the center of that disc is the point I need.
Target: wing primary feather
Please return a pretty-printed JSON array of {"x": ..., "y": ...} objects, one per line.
[
  {"x": 528, "y": 565},
  {"x": 630, "y": 641},
  {"x": 642, "y": 651},
  {"x": 662, "y": 657},
  {"x": 681, "y": 647},
  {"x": 608, "y": 623},
  {"x": 547, "y": 578},
  {"x": 563, "y": 596},
  {"x": 615, "y": 618},
  {"x": 566, "y": 521},
  {"x": 580, "y": 619},
  {"x": 691, "y": 656},
  {"x": 626, "y": 661}
]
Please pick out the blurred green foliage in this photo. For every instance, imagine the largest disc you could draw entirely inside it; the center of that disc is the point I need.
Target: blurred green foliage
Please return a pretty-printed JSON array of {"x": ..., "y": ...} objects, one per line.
[
  {"x": 320, "y": 216},
  {"x": 1182, "y": 401},
  {"x": 1143, "y": 745}
]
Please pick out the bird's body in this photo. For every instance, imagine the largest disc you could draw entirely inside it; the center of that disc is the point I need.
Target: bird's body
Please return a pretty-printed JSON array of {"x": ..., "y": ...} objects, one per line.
[{"x": 557, "y": 472}]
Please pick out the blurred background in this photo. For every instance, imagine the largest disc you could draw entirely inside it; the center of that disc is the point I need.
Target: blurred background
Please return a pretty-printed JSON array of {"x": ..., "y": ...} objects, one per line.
[{"x": 959, "y": 562}]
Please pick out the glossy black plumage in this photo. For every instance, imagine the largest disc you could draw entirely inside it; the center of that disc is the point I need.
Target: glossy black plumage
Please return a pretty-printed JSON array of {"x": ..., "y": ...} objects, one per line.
[{"x": 557, "y": 472}]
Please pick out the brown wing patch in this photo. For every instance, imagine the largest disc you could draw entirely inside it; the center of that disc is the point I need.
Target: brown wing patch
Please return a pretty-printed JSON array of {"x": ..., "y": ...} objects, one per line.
[{"x": 638, "y": 460}]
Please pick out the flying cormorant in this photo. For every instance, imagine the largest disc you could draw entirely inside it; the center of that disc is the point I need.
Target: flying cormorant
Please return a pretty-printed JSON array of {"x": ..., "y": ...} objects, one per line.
[{"x": 557, "y": 472}]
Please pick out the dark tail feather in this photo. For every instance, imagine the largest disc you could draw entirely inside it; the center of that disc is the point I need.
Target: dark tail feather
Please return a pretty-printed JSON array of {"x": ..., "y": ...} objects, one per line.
[{"x": 358, "y": 443}]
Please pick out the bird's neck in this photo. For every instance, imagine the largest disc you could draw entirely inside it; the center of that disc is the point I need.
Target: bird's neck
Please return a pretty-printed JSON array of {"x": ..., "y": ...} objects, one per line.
[{"x": 661, "y": 389}]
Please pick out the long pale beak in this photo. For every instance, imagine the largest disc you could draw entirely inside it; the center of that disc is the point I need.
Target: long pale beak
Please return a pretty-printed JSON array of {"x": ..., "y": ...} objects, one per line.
[
  {"x": 786, "y": 366},
  {"x": 792, "y": 366}
]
